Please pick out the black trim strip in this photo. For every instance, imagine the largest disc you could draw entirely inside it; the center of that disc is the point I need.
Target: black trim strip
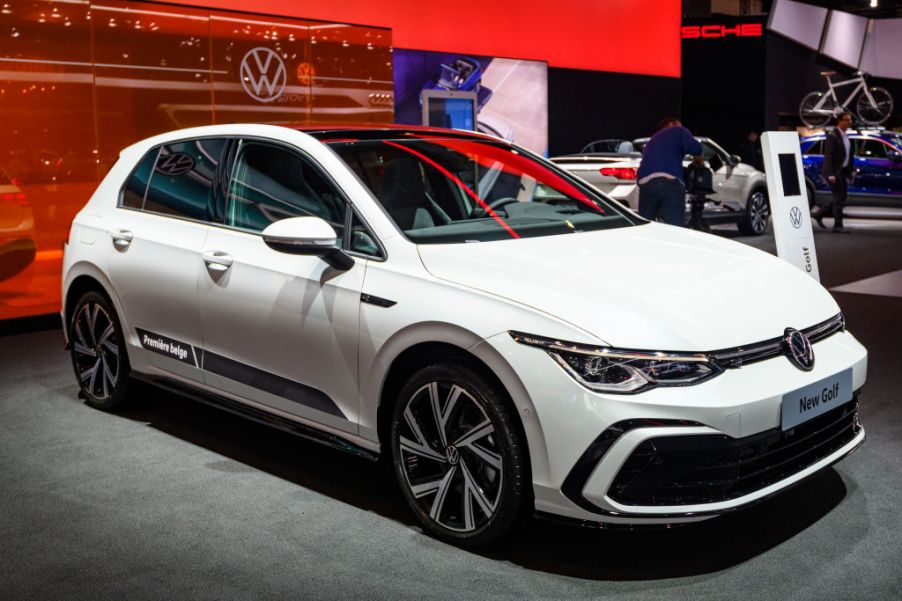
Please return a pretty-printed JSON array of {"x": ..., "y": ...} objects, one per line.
[
  {"x": 260, "y": 416},
  {"x": 271, "y": 383},
  {"x": 376, "y": 300},
  {"x": 582, "y": 470}
]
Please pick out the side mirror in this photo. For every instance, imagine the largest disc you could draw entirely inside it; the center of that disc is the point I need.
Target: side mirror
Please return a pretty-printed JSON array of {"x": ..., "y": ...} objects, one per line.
[
  {"x": 735, "y": 159},
  {"x": 307, "y": 236},
  {"x": 895, "y": 155}
]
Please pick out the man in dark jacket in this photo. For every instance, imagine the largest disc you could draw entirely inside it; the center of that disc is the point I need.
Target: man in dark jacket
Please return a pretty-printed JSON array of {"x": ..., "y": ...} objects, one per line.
[
  {"x": 661, "y": 187},
  {"x": 837, "y": 170}
]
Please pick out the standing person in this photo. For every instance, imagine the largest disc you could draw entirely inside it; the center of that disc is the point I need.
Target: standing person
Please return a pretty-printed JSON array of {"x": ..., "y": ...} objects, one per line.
[
  {"x": 660, "y": 173},
  {"x": 837, "y": 170},
  {"x": 750, "y": 151}
]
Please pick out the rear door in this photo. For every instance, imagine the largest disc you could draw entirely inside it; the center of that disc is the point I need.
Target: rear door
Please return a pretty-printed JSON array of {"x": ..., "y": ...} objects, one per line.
[
  {"x": 156, "y": 234},
  {"x": 280, "y": 329}
]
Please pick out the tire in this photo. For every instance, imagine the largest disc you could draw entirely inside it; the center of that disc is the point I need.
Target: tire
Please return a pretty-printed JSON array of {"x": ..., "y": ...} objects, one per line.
[
  {"x": 98, "y": 353},
  {"x": 816, "y": 117},
  {"x": 757, "y": 212},
  {"x": 812, "y": 197},
  {"x": 465, "y": 480},
  {"x": 874, "y": 114}
]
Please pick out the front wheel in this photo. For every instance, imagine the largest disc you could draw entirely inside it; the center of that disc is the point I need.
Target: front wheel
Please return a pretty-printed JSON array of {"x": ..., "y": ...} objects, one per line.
[
  {"x": 98, "y": 352},
  {"x": 875, "y": 112},
  {"x": 457, "y": 454},
  {"x": 817, "y": 110},
  {"x": 757, "y": 212}
]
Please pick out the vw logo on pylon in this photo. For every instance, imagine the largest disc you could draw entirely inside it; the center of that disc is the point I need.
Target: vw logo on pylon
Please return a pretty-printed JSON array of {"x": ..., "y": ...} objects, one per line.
[
  {"x": 263, "y": 74},
  {"x": 795, "y": 217}
]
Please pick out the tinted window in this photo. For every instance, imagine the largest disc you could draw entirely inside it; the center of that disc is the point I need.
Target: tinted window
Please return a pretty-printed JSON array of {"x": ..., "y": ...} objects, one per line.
[
  {"x": 362, "y": 241},
  {"x": 182, "y": 180},
  {"x": 270, "y": 183},
  {"x": 816, "y": 148},
  {"x": 136, "y": 185},
  {"x": 871, "y": 149}
]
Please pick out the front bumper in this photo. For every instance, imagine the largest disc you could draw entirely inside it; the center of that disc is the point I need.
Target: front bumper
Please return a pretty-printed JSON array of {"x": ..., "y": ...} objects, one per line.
[{"x": 738, "y": 408}]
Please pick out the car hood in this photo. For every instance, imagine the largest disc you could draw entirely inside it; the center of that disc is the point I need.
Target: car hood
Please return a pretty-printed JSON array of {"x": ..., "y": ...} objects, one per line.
[{"x": 651, "y": 286}]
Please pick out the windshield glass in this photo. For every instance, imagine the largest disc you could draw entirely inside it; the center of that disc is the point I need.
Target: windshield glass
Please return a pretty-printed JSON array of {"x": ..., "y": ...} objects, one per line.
[{"x": 448, "y": 190}]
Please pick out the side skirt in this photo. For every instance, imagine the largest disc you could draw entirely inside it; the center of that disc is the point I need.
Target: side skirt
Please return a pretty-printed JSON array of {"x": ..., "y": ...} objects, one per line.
[{"x": 258, "y": 415}]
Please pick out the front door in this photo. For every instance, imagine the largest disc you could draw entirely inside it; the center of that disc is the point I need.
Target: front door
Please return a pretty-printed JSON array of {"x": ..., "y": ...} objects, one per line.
[{"x": 279, "y": 329}]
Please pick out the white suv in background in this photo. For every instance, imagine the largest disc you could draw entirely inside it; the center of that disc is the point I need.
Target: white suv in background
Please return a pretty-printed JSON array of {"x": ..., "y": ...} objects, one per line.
[
  {"x": 509, "y": 338},
  {"x": 740, "y": 190}
]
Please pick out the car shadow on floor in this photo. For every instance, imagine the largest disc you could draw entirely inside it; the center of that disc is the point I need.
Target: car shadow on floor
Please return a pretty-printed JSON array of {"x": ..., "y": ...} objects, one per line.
[{"x": 617, "y": 554}]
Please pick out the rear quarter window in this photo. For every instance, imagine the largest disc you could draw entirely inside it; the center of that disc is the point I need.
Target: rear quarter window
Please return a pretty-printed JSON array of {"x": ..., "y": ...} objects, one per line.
[
  {"x": 135, "y": 188},
  {"x": 182, "y": 180}
]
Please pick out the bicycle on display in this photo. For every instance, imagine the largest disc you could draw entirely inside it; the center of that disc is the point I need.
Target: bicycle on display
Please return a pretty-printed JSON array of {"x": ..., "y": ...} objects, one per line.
[{"x": 874, "y": 104}]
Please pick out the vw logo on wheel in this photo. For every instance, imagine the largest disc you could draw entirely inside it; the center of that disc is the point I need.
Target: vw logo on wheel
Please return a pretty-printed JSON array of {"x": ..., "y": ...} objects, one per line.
[
  {"x": 798, "y": 348},
  {"x": 263, "y": 74},
  {"x": 795, "y": 217}
]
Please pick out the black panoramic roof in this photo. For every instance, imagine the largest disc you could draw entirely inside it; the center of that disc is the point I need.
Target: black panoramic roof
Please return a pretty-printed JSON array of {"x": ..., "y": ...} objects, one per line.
[{"x": 344, "y": 133}]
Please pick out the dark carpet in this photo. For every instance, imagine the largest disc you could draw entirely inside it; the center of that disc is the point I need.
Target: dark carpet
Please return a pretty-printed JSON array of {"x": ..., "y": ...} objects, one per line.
[{"x": 176, "y": 500}]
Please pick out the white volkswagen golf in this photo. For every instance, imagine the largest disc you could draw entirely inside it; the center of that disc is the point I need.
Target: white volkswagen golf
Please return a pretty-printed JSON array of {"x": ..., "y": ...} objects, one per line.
[{"x": 511, "y": 340}]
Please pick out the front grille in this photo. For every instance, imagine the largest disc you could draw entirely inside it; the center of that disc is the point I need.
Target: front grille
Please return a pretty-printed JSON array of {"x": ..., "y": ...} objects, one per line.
[
  {"x": 687, "y": 470},
  {"x": 760, "y": 351}
]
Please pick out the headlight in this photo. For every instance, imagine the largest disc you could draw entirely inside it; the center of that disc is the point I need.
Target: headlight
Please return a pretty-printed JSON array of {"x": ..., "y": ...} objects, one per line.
[{"x": 624, "y": 371}]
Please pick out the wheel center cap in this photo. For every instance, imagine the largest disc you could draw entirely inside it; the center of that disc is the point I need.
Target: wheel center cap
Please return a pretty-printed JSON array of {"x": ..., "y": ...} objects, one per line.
[{"x": 452, "y": 455}]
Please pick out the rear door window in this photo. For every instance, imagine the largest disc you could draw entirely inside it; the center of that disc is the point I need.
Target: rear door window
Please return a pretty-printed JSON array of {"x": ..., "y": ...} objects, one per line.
[{"x": 183, "y": 179}]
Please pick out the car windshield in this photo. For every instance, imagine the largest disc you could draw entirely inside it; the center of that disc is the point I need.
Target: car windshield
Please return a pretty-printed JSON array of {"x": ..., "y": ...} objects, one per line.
[{"x": 452, "y": 190}]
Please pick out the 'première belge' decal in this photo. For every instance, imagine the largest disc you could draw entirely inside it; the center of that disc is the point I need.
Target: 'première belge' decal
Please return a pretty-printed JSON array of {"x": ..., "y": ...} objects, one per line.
[{"x": 162, "y": 345}]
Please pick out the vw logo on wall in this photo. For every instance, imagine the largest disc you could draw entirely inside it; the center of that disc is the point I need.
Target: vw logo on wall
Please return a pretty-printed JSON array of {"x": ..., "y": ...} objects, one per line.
[
  {"x": 798, "y": 348},
  {"x": 795, "y": 217},
  {"x": 263, "y": 74}
]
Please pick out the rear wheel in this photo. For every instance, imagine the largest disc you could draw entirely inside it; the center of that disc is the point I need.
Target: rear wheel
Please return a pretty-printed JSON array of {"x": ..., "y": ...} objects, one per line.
[
  {"x": 814, "y": 113},
  {"x": 757, "y": 212},
  {"x": 457, "y": 454},
  {"x": 98, "y": 352},
  {"x": 875, "y": 112}
]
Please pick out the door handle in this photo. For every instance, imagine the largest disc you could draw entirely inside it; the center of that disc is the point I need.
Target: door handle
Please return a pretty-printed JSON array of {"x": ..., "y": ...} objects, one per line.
[
  {"x": 121, "y": 238},
  {"x": 217, "y": 260}
]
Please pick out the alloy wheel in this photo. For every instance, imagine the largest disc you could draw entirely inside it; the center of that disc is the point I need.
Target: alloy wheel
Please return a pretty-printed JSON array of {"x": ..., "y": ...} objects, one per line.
[
  {"x": 450, "y": 457},
  {"x": 758, "y": 212},
  {"x": 96, "y": 351}
]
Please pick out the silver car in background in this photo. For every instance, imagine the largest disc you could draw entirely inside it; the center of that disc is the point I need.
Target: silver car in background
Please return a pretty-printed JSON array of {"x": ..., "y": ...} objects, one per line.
[{"x": 740, "y": 190}]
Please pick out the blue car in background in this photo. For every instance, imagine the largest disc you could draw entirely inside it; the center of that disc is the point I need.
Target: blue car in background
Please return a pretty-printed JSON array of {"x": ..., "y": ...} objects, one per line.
[{"x": 877, "y": 158}]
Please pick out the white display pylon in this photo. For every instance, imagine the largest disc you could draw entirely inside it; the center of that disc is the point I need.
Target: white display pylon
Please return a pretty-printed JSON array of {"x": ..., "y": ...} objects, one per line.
[{"x": 790, "y": 213}]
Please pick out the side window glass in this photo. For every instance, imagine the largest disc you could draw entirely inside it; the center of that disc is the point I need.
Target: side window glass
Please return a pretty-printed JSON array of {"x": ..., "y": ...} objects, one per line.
[
  {"x": 270, "y": 183},
  {"x": 182, "y": 181},
  {"x": 815, "y": 148},
  {"x": 871, "y": 149},
  {"x": 136, "y": 185},
  {"x": 362, "y": 241}
]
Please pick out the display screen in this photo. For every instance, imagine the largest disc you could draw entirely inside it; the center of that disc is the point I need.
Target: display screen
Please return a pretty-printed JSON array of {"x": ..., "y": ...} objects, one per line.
[
  {"x": 455, "y": 113},
  {"x": 789, "y": 174}
]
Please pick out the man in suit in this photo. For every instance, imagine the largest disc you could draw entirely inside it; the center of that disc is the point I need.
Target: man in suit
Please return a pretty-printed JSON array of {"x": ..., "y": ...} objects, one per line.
[{"x": 837, "y": 170}]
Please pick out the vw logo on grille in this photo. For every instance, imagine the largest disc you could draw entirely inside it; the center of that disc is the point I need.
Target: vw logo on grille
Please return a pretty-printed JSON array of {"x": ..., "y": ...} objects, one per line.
[
  {"x": 177, "y": 163},
  {"x": 263, "y": 74},
  {"x": 795, "y": 217},
  {"x": 798, "y": 348}
]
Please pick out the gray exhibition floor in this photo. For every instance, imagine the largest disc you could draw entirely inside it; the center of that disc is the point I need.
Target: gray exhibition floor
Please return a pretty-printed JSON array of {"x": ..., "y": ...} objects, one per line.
[{"x": 175, "y": 500}]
